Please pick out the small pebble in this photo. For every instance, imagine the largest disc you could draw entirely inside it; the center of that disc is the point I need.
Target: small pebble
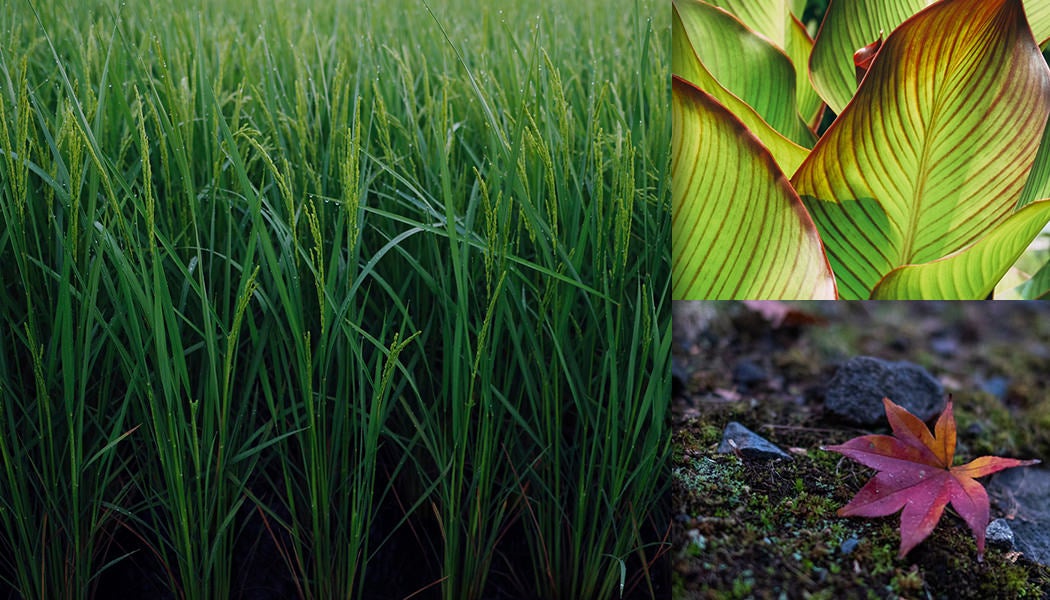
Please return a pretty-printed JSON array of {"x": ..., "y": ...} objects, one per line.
[
  {"x": 999, "y": 532},
  {"x": 996, "y": 386},
  {"x": 747, "y": 373},
  {"x": 740, "y": 440},
  {"x": 944, "y": 344}
]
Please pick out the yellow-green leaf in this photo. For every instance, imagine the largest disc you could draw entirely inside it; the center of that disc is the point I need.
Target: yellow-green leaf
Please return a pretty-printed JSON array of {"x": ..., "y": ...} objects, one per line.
[
  {"x": 768, "y": 17},
  {"x": 799, "y": 46},
  {"x": 932, "y": 153},
  {"x": 848, "y": 26},
  {"x": 1039, "y": 18},
  {"x": 746, "y": 64},
  {"x": 1038, "y": 287},
  {"x": 687, "y": 65},
  {"x": 738, "y": 230},
  {"x": 971, "y": 273}
]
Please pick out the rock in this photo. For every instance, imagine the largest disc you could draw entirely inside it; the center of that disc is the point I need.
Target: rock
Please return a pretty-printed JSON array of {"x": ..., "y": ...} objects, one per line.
[
  {"x": 998, "y": 532},
  {"x": 1033, "y": 540},
  {"x": 944, "y": 344},
  {"x": 737, "y": 438},
  {"x": 691, "y": 318},
  {"x": 856, "y": 391},
  {"x": 996, "y": 386},
  {"x": 1021, "y": 494},
  {"x": 848, "y": 545},
  {"x": 746, "y": 374}
]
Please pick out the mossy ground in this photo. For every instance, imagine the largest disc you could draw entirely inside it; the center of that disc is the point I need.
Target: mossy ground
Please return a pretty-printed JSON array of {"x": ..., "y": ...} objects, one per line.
[{"x": 747, "y": 528}]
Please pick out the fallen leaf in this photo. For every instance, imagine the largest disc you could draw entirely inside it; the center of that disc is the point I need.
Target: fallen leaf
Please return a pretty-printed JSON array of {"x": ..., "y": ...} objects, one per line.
[
  {"x": 729, "y": 395},
  {"x": 780, "y": 314},
  {"x": 915, "y": 473}
]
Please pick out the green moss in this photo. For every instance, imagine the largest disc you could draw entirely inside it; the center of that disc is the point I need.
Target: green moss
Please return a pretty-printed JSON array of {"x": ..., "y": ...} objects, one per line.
[
  {"x": 771, "y": 525},
  {"x": 985, "y": 427}
]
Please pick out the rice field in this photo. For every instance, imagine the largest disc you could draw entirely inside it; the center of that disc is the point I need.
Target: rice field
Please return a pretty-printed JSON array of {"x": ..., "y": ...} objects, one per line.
[{"x": 349, "y": 299}]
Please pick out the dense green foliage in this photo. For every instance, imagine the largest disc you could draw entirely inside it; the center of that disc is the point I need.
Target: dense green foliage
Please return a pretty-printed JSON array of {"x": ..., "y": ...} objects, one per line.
[
  {"x": 387, "y": 285},
  {"x": 895, "y": 200}
]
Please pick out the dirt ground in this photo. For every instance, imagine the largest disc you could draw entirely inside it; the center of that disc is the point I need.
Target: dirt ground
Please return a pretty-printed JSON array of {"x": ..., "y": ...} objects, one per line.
[{"x": 767, "y": 529}]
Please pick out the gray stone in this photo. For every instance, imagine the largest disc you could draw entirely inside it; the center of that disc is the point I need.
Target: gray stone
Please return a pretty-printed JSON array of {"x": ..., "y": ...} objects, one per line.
[
  {"x": 747, "y": 373},
  {"x": 1033, "y": 540},
  {"x": 739, "y": 439},
  {"x": 856, "y": 391},
  {"x": 999, "y": 532},
  {"x": 1022, "y": 495},
  {"x": 996, "y": 386}
]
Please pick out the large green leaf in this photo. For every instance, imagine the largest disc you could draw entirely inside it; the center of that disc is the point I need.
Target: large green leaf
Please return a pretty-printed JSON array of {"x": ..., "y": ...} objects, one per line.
[
  {"x": 1039, "y": 18},
  {"x": 797, "y": 8},
  {"x": 768, "y": 17},
  {"x": 686, "y": 64},
  {"x": 738, "y": 230},
  {"x": 1038, "y": 287},
  {"x": 799, "y": 47},
  {"x": 971, "y": 273},
  {"x": 933, "y": 151},
  {"x": 775, "y": 20},
  {"x": 848, "y": 26},
  {"x": 1037, "y": 186},
  {"x": 746, "y": 64},
  {"x": 852, "y": 24}
]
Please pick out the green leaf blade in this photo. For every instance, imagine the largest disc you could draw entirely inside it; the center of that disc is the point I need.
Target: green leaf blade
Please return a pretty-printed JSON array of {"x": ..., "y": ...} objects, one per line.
[
  {"x": 738, "y": 229},
  {"x": 769, "y": 17},
  {"x": 935, "y": 147},
  {"x": 799, "y": 48},
  {"x": 1038, "y": 12},
  {"x": 746, "y": 64},
  {"x": 1038, "y": 287},
  {"x": 848, "y": 26},
  {"x": 686, "y": 64},
  {"x": 971, "y": 273}
]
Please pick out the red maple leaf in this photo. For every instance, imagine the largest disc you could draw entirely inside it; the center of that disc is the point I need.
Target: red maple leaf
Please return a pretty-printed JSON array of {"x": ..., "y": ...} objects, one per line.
[{"x": 915, "y": 472}]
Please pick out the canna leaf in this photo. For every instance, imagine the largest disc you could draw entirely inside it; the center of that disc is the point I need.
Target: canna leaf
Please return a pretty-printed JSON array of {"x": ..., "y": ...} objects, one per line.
[
  {"x": 778, "y": 22},
  {"x": 1038, "y": 287},
  {"x": 915, "y": 475},
  {"x": 799, "y": 48},
  {"x": 686, "y": 64},
  {"x": 798, "y": 7},
  {"x": 738, "y": 230},
  {"x": 972, "y": 272},
  {"x": 746, "y": 64},
  {"x": 767, "y": 17},
  {"x": 848, "y": 26},
  {"x": 1039, "y": 17},
  {"x": 933, "y": 151}
]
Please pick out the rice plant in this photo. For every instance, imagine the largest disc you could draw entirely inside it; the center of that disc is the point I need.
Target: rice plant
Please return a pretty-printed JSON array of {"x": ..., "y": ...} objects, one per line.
[{"x": 333, "y": 300}]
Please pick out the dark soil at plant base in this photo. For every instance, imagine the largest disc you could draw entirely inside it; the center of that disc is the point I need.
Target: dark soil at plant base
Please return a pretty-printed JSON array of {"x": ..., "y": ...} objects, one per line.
[{"x": 768, "y": 529}]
